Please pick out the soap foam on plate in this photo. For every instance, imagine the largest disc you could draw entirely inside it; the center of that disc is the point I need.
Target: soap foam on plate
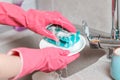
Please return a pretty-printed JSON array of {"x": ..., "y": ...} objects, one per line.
[
  {"x": 74, "y": 42},
  {"x": 76, "y": 48}
]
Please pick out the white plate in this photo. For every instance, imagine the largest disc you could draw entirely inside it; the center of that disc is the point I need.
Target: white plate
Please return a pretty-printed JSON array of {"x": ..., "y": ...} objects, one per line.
[{"x": 76, "y": 48}]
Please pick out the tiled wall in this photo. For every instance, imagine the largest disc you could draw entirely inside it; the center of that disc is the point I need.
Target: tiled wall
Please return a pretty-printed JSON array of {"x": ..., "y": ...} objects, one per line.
[
  {"x": 97, "y": 13},
  {"x": 26, "y": 4},
  {"x": 6, "y": 0}
]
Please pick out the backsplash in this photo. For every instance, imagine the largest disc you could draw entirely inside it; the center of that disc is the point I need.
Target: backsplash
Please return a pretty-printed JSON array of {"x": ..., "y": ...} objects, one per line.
[
  {"x": 27, "y": 4},
  {"x": 97, "y": 13}
]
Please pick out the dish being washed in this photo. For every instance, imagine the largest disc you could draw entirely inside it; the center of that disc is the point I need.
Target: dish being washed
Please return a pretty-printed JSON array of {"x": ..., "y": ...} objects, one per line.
[{"x": 74, "y": 42}]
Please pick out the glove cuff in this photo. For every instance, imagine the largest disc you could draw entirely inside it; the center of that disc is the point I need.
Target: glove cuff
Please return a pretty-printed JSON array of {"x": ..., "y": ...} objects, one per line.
[{"x": 29, "y": 60}]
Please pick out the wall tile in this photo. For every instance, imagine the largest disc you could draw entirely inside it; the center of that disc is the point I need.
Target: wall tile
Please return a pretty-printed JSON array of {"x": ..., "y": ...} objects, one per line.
[{"x": 97, "y": 13}]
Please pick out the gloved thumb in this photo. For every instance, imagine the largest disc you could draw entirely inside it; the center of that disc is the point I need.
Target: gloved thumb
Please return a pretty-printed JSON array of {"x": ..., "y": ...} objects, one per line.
[
  {"x": 64, "y": 53},
  {"x": 50, "y": 35}
]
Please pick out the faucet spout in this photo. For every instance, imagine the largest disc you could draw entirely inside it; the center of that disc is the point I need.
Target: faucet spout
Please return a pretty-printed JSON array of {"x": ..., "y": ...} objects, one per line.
[{"x": 115, "y": 32}]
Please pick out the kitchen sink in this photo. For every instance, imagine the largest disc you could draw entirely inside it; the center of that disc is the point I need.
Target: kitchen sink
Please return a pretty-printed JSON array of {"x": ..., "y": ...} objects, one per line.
[{"x": 87, "y": 57}]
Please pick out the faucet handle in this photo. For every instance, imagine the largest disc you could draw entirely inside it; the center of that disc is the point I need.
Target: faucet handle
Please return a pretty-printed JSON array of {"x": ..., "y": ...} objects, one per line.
[
  {"x": 85, "y": 28},
  {"x": 94, "y": 41}
]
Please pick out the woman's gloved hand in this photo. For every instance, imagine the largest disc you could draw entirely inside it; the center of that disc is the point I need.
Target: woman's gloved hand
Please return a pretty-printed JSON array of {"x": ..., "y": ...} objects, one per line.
[
  {"x": 39, "y": 20},
  {"x": 46, "y": 59},
  {"x": 35, "y": 20}
]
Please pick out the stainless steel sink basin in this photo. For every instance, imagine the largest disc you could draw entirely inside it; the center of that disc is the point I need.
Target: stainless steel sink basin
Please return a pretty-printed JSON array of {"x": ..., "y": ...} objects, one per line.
[{"x": 87, "y": 56}]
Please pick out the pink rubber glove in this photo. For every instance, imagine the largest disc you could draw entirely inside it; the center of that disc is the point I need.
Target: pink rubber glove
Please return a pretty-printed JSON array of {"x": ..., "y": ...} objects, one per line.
[
  {"x": 35, "y": 20},
  {"x": 45, "y": 60}
]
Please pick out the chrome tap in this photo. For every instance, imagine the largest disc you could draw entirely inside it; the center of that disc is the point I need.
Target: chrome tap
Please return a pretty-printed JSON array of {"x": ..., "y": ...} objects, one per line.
[
  {"x": 99, "y": 41},
  {"x": 106, "y": 42},
  {"x": 93, "y": 40}
]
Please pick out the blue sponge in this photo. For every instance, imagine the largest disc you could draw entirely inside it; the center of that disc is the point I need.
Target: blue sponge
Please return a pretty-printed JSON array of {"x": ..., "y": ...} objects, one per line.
[{"x": 66, "y": 39}]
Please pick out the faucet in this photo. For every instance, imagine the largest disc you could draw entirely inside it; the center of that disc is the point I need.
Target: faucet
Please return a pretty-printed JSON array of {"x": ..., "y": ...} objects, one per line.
[
  {"x": 103, "y": 42},
  {"x": 99, "y": 41}
]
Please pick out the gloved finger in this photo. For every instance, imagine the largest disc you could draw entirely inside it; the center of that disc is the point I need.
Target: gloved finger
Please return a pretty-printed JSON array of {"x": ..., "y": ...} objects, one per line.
[
  {"x": 65, "y": 24},
  {"x": 49, "y": 34},
  {"x": 64, "y": 52},
  {"x": 69, "y": 59}
]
